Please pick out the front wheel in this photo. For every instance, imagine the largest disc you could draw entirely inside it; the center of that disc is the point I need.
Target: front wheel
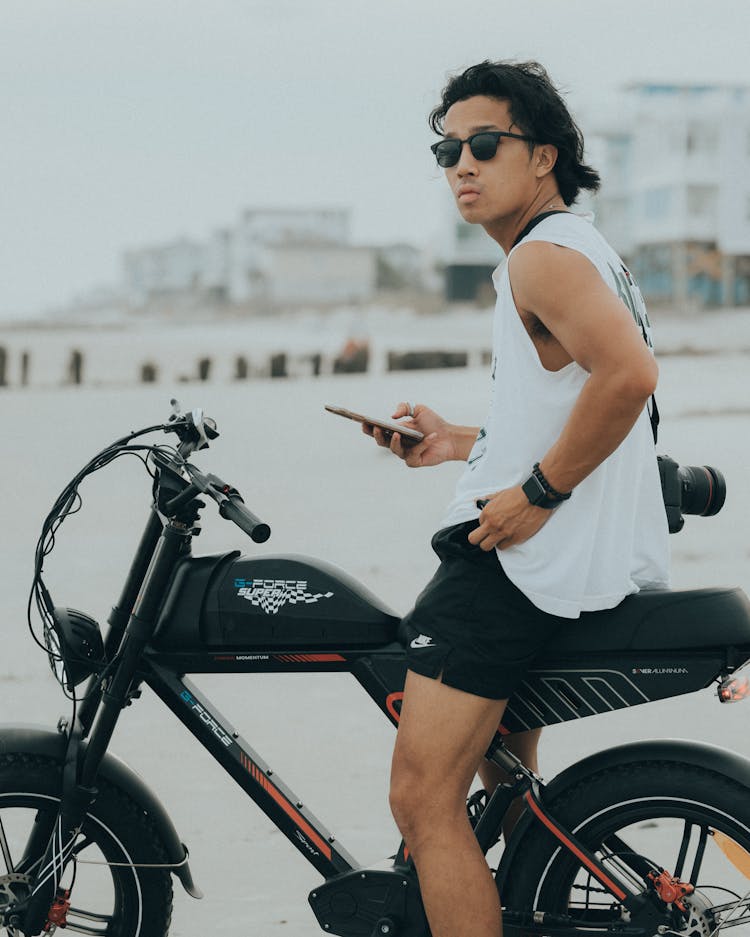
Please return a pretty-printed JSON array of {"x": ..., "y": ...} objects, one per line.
[
  {"x": 640, "y": 819},
  {"x": 111, "y": 896}
]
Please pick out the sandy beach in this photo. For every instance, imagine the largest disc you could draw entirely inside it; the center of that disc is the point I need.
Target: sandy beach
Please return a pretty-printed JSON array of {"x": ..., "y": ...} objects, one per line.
[{"x": 328, "y": 492}]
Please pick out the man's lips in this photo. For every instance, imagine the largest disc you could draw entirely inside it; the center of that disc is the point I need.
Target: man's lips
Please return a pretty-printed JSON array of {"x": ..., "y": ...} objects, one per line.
[{"x": 467, "y": 193}]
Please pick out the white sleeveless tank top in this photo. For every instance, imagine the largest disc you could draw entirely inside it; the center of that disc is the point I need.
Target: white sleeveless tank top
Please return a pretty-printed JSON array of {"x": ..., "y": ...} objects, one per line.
[{"x": 611, "y": 537}]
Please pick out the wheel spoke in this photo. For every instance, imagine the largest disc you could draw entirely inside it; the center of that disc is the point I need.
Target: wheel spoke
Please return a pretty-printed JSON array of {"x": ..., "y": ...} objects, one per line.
[
  {"x": 5, "y": 849},
  {"x": 80, "y": 928},
  {"x": 91, "y": 915},
  {"x": 699, "y": 852},
  {"x": 687, "y": 830},
  {"x": 85, "y": 929}
]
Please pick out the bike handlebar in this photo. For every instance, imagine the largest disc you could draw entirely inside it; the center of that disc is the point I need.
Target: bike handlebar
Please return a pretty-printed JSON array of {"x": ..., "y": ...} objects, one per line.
[
  {"x": 253, "y": 526},
  {"x": 229, "y": 500}
]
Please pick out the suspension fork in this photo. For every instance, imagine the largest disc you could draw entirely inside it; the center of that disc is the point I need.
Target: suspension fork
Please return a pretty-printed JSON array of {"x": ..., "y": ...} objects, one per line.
[
  {"x": 80, "y": 771},
  {"x": 119, "y": 617},
  {"x": 121, "y": 611}
]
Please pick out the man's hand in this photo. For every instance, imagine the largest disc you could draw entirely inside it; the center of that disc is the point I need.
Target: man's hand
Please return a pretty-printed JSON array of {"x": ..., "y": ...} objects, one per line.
[
  {"x": 442, "y": 441},
  {"x": 508, "y": 520}
]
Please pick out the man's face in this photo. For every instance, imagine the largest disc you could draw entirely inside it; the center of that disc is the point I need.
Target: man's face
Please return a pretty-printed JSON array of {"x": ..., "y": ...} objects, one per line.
[{"x": 489, "y": 190}]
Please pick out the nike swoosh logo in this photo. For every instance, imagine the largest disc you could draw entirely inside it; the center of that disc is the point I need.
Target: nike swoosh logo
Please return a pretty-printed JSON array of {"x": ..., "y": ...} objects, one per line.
[{"x": 422, "y": 640}]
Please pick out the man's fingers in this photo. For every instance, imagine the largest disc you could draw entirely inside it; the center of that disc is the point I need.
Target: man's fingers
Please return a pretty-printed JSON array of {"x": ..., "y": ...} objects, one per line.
[
  {"x": 381, "y": 438},
  {"x": 396, "y": 447},
  {"x": 404, "y": 409}
]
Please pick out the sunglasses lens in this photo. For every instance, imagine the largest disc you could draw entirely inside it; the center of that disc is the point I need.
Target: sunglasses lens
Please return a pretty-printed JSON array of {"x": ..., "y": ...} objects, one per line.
[
  {"x": 484, "y": 145},
  {"x": 448, "y": 152}
]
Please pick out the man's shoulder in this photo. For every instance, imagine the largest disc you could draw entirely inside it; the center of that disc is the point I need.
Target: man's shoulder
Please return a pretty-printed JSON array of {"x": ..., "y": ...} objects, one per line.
[
  {"x": 566, "y": 244},
  {"x": 540, "y": 270}
]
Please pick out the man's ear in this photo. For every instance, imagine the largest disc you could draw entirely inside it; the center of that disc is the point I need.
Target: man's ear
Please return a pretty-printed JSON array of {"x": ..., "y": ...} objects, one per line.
[{"x": 545, "y": 156}]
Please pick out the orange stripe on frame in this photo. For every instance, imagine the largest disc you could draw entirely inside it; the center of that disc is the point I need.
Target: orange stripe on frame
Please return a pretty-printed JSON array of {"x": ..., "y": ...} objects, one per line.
[
  {"x": 390, "y": 704},
  {"x": 291, "y": 812},
  {"x": 297, "y": 817},
  {"x": 605, "y": 880}
]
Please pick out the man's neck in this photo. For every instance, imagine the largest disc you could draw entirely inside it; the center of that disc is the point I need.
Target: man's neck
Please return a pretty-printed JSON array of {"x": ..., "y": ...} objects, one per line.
[{"x": 506, "y": 230}]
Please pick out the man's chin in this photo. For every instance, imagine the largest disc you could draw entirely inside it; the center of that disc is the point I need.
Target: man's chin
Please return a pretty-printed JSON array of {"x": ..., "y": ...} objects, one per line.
[{"x": 470, "y": 214}]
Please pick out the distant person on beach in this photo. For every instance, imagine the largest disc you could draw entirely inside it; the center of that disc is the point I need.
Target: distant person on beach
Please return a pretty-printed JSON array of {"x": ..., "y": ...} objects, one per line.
[{"x": 574, "y": 518}]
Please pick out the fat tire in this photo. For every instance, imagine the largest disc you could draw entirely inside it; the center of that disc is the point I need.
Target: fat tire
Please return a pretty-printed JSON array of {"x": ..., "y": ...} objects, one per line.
[
  {"x": 535, "y": 882},
  {"x": 144, "y": 895}
]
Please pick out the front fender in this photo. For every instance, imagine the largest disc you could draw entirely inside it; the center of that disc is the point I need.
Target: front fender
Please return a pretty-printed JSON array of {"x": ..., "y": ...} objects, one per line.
[
  {"x": 33, "y": 740},
  {"x": 680, "y": 751}
]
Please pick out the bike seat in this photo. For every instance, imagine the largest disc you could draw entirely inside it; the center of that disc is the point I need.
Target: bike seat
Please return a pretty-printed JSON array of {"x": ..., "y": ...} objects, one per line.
[{"x": 660, "y": 619}]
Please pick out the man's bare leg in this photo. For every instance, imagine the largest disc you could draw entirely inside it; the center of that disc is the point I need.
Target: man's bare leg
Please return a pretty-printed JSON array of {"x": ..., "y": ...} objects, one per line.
[
  {"x": 443, "y": 734},
  {"x": 524, "y": 745}
]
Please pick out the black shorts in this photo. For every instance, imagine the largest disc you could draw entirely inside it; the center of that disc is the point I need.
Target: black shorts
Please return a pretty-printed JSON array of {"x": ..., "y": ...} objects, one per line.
[{"x": 471, "y": 624}]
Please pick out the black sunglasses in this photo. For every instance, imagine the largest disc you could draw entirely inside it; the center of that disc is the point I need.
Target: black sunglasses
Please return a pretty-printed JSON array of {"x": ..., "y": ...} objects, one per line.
[{"x": 483, "y": 146}]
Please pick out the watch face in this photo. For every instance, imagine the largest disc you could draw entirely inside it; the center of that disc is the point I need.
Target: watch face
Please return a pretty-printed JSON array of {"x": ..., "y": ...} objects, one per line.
[{"x": 534, "y": 490}]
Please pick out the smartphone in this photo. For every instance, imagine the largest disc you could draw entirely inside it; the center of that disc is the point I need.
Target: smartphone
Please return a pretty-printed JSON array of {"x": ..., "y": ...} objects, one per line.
[{"x": 408, "y": 436}]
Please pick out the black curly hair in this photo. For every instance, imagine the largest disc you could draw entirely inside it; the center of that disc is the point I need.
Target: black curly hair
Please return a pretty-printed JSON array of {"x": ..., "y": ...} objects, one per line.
[{"x": 536, "y": 107}]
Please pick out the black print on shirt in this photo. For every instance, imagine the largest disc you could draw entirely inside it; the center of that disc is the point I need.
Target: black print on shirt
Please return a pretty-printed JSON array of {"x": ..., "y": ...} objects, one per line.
[
  {"x": 629, "y": 292},
  {"x": 478, "y": 449}
]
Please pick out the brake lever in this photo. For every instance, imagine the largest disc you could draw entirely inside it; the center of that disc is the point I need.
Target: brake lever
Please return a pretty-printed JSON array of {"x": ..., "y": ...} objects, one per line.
[{"x": 194, "y": 427}]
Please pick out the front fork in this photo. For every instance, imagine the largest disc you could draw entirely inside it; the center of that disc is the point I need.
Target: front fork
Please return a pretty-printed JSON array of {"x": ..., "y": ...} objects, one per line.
[{"x": 82, "y": 764}]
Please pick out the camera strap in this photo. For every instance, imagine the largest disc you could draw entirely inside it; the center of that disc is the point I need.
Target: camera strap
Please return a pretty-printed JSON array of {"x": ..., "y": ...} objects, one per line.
[
  {"x": 535, "y": 221},
  {"x": 653, "y": 412}
]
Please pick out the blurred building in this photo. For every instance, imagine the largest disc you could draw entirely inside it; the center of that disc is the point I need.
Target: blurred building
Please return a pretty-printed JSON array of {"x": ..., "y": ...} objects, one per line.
[
  {"x": 292, "y": 256},
  {"x": 675, "y": 199},
  {"x": 468, "y": 256},
  {"x": 167, "y": 272},
  {"x": 271, "y": 258}
]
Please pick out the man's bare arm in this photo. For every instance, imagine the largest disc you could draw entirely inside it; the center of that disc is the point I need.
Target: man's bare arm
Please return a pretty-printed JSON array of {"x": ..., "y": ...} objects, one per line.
[{"x": 566, "y": 293}]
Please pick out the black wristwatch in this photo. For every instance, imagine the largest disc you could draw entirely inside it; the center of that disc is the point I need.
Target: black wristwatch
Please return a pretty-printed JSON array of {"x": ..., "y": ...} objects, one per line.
[{"x": 540, "y": 493}]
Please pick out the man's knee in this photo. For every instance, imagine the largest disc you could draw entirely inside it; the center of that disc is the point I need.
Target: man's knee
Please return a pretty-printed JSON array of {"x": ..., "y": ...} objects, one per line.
[{"x": 422, "y": 804}]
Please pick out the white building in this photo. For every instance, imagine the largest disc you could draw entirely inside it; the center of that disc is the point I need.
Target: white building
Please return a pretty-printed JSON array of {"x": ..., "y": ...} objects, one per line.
[
  {"x": 169, "y": 270},
  {"x": 260, "y": 230},
  {"x": 675, "y": 197},
  {"x": 302, "y": 274},
  {"x": 271, "y": 258}
]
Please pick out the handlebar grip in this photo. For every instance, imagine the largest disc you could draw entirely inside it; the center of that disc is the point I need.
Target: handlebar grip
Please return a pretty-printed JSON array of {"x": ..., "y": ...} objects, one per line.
[{"x": 253, "y": 526}]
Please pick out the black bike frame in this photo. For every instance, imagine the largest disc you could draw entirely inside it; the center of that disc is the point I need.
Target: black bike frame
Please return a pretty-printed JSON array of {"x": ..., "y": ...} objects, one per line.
[
  {"x": 250, "y": 771},
  {"x": 287, "y": 812},
  {"x": 380, "y": 671}
]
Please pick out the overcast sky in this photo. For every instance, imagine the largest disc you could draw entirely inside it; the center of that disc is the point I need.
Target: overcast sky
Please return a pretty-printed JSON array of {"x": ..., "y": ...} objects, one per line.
[{"x": 130, "y": 122}]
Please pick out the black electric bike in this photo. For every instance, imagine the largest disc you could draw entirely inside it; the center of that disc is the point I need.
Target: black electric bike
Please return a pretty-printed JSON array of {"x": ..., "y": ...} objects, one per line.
[{"x": 638, "y": 840}]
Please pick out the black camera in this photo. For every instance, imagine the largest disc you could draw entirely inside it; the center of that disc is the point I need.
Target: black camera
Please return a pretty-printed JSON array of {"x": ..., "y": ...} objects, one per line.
[{"x": 692, "y": 489}]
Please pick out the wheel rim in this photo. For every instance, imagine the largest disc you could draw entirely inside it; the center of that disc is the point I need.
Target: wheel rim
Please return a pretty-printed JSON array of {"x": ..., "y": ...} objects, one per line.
[
  {"x": 98, "y": 889},
  {"x": 669, "y": 833}
]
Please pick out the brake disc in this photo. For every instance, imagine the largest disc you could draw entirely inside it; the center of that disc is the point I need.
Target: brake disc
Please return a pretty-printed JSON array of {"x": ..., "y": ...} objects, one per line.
[
  {"x": 701, "y": 921},
  {"x": 14, "y": 887}
]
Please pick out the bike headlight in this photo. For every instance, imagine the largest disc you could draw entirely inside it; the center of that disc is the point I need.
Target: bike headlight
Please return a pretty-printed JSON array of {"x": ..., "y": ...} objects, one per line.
[{"x": 80, "y": 649}]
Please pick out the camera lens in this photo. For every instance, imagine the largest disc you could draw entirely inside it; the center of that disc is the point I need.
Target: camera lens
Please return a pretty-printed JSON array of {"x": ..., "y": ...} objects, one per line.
[{"x": 703, "y": 489}]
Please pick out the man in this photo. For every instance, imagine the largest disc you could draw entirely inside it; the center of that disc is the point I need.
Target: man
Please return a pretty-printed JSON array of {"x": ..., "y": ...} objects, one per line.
[{"x": 574, "y": 518}]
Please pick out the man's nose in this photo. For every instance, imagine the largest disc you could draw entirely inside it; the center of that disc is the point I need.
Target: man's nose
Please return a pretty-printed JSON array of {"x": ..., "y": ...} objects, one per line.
[{"x": 467, "y": 164}]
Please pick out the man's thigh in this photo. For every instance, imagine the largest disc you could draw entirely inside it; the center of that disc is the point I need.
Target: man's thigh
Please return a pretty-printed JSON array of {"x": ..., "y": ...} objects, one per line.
[{"x": 443, "y": 734}]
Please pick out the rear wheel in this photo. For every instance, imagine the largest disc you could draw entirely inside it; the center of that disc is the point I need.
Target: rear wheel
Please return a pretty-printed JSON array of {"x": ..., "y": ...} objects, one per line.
[
  {"x": 109, "y": 896},
  {"x": 638, "y": 819}
]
